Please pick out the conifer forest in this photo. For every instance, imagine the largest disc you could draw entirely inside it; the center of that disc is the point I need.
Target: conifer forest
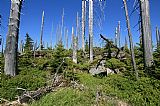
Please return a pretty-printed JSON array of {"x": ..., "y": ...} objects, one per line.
[{"x": 79, "y": 53}]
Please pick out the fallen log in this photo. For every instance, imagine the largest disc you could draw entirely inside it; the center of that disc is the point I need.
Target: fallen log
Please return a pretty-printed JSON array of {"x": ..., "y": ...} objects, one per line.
[{"x": 29, "y": 96}]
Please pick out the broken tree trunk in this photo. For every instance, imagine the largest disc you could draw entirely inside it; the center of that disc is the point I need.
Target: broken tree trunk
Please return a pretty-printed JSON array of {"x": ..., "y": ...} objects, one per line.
[
  {"x": 146, "y": 33},
  {"x": 91, "y": 30},
  {"x": 10, "y": 67},
  {"x": 130, "y": 39},
  {"x": 41, "y": 36},
  {"x": 83, "y": 24},
  {"x": 112, "y": 45}
]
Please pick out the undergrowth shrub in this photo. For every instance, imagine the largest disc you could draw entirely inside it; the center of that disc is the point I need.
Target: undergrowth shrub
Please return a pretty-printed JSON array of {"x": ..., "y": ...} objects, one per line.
[
  {"x": 30, "y": 79},
  {"x": 144, "y": 92},
  {"x": 114, "y": 64}
]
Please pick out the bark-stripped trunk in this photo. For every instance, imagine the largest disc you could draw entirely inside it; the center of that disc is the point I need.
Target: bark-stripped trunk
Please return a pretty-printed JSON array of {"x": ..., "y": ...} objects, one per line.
[
  {"x": 74, "y": 43},
  {"x": 91, "y": 29},
  {"x": 116, "y": 37},
  {"x": 146, "y": 33},
  {"x": 119, "y": 34},
  {"x": 157, "y": 36},
  {"x": 41, "y": 36},
  {"x": 130, "y": 39},
  {"x": 62, "y": 24},
  {"x": 11, "y": 49},
  {"x": 83, "y": 24},
  {"x": 77, "y": 29}
]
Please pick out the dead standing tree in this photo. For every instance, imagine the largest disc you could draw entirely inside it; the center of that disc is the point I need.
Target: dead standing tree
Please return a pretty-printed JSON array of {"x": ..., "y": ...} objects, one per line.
[
  {"x": 146, "y": 33},
  {"x": 74, "y": 43},
  {"x": 91, "y": 29},
  {"x": 41, "y": 36},
  {"x": 11, "y": 49},
  {"x": 77, "y": 29},
  {"x": 119, "y": 34},
  {"x": 116, "y": 37},
  {"x": 83, "y": 24},
  {"x": 130, "y": 39},
  {"x": 61, "y": 28}
]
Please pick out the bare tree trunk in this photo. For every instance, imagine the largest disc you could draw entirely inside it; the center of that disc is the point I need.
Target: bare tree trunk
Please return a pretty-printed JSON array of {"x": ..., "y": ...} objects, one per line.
[
  {"x": 116, "y": 37},
  {"x": 83, "y": 24},
  {"x": 62, "y": 24},
  {"x": 119, "y": 34},
  {"x": 41, "y": 36},
  {"x": 74, "y": 43},
  {"x": 91, "y": 29},
  {"x": 130, "y": 39},
  {"x": 157, "y": 36},
  {"x": 11, "y": 50},
  {"x": 146, "y": 33},
  {"x": 77, "y": 29}
]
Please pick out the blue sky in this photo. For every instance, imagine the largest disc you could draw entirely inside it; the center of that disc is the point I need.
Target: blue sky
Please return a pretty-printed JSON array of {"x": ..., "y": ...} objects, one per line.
[{"x": 32, "y": 13}]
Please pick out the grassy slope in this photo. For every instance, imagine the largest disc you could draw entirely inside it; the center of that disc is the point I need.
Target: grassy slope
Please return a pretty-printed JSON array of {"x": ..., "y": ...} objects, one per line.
[{"x": 143, "y": 92}]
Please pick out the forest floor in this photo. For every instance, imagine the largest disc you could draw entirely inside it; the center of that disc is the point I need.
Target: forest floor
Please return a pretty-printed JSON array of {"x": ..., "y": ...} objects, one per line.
[{"x": 114, "y": 90}]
